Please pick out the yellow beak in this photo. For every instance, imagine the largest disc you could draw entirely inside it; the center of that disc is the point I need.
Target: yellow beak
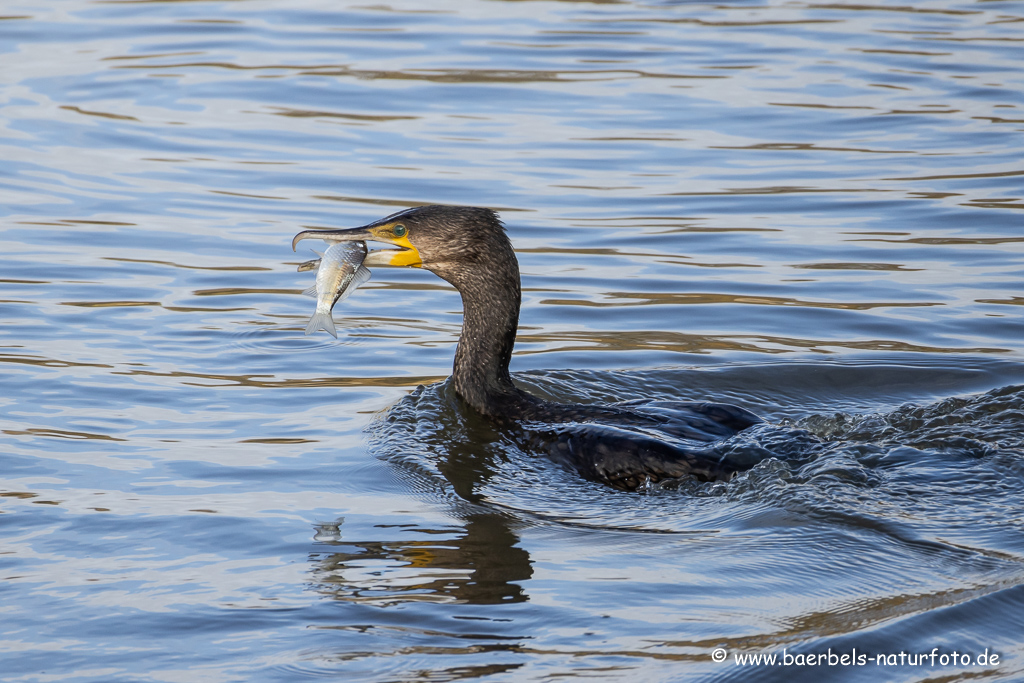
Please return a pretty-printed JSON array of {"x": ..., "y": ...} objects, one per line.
[{"x": 405, "y": 255}]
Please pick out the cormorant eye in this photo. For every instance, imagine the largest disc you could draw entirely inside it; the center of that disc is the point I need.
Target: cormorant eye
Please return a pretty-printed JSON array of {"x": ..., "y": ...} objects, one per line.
[{"x": 399, "y": 230}]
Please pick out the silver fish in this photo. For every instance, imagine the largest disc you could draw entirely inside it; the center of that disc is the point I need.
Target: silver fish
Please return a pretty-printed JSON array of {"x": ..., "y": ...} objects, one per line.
[{"x": 340, "y": 271}]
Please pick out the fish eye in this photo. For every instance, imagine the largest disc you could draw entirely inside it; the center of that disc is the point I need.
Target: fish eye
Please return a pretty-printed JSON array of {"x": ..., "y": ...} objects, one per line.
[{"x": 399, "y": 230}]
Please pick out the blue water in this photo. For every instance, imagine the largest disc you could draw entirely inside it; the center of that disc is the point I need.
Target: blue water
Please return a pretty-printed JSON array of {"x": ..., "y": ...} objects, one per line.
[{"x": 809, "y": 210}]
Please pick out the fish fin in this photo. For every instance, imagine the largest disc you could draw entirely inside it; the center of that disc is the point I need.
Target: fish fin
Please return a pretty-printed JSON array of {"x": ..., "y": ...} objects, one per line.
[
  {"x": 310, "y": 291},
  {"x": 318, "y": 253},
  {"x": 321, "y": 321},
  {"x": 361, "y": 276}
]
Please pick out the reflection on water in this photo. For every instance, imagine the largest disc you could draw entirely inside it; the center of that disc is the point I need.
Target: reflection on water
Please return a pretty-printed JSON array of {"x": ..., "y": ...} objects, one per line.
[
  {"x": 482, "y": 565},
  {"x": 810, "y": 210}
]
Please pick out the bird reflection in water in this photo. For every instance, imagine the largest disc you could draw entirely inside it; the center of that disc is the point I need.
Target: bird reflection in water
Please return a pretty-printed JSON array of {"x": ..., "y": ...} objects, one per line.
[{"x": 480, "y": 564}]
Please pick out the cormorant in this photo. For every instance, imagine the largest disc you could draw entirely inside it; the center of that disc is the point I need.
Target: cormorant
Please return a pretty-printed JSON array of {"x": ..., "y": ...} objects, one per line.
[{"x": 626, "y": 446}]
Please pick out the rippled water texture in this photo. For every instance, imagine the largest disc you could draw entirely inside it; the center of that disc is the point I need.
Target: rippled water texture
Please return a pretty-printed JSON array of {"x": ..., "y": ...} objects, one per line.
[{"x": 813, "y": 211}]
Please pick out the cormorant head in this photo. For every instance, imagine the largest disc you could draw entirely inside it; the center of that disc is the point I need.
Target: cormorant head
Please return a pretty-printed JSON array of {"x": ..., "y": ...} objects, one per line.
[{"x": 447, "y": 240}]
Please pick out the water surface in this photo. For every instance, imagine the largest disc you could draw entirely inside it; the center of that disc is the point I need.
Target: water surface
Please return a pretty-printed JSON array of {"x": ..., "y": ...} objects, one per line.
[{"x": 811, "y": 210}]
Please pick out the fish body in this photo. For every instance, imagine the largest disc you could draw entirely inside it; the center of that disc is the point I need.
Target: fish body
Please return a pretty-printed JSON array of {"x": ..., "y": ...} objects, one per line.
[{"x": 340, "y": 271}]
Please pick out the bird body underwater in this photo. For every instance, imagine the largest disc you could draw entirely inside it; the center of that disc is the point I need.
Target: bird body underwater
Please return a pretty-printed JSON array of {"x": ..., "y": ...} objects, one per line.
[{"x": 627, "y": 446}]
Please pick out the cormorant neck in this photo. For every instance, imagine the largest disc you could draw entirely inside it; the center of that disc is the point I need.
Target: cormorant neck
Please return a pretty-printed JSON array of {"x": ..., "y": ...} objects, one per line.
[{"x": 490, "y": 302}]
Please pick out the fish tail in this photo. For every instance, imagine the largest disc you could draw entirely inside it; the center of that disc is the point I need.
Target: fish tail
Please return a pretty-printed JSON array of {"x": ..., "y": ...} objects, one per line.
[{"x": 321, "y": 321}]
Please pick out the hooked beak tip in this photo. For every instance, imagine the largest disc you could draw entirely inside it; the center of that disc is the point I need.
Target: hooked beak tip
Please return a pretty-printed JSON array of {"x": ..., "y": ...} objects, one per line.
[
  {"x": 352, "y": 235},
  {"x": 298, "y": 238}
]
